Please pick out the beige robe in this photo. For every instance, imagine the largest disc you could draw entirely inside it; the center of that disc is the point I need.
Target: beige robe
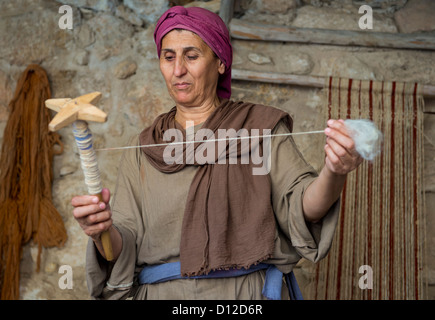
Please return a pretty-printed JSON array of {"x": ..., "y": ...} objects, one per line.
[{"x": 148, "y": 207}]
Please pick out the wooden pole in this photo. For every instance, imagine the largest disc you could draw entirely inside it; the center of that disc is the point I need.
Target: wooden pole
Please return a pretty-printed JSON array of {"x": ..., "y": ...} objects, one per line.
[
  {"x": 226, "y": 11},
  {"x": 241, "y": 29},
  {"x": 428, "y": 91},
  {"x": 283, "y": 78}
]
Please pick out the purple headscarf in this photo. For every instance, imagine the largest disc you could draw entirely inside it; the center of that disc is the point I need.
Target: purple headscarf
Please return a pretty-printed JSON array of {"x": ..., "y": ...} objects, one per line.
[{"x": 212, "y": 30}]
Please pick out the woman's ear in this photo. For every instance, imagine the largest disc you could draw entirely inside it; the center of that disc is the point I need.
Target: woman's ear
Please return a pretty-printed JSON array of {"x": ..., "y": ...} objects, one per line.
[{"x": 221, "y": 68}]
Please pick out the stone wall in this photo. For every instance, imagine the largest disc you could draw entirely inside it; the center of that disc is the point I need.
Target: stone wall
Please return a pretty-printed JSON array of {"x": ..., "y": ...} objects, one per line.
[{"x": 110, "y": 49}]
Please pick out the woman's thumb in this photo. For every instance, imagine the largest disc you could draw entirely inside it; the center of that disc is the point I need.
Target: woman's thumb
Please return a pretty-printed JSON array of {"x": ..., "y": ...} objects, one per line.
[{"x": 106, "y": 195}]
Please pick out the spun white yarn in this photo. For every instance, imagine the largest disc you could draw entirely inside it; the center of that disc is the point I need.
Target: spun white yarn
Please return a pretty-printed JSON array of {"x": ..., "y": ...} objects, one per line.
[
  {"x": 367, "y": 137},
  {"x": 88, "y": 157}
]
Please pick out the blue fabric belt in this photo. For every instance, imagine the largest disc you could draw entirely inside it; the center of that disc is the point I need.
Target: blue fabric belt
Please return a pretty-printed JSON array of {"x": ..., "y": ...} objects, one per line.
[{"x": 271, "y": 288}]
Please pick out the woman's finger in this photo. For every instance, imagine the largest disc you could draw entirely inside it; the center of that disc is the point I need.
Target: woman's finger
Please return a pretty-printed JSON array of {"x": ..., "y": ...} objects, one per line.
[
  {"x": 105, "y": 195},
  {"x": 334, "y": 159},
  {"x": 84, "y": 200},
  {"x": 338, "y": 149},
  {"x": 97, "y": 229},
  {"x": 84, "y": 211},
  {"x": 338, "y": 125},
  {"x": 341, "y": 138},
  {"x": 97, "y": 218}
]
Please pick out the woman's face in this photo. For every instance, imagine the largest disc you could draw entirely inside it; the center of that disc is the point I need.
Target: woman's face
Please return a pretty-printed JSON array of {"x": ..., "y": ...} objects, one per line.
[{"x": 190, "y": 68}]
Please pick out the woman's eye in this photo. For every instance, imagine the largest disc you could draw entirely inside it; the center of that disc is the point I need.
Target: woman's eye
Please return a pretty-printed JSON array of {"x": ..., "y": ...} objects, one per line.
[
  {"x": 169, "y": 58},
  {"x": 192, "y": 57}
]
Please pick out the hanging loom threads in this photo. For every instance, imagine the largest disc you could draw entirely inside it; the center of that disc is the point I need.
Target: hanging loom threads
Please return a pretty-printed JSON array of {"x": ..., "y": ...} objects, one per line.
[{"x": 83, "y": 137}]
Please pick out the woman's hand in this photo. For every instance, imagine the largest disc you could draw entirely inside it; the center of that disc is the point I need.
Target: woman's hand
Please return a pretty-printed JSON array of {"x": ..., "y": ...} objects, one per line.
[
  {"x": 341, "y": 158},
  {"x": 94, "y": 216},
  {"x": 341, "y": 155}
]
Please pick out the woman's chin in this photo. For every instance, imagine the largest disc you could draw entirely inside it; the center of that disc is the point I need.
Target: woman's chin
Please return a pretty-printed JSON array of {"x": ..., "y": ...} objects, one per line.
[{"x": 183, "y": 99}]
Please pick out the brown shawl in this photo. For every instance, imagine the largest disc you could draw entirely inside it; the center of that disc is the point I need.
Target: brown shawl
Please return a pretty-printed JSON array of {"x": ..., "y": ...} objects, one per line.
[{"x": 228, "y": 220}]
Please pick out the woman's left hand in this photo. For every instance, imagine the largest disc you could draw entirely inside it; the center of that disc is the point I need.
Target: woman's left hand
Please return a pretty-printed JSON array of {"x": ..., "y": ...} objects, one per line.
[{"x": 341, "y": 155}]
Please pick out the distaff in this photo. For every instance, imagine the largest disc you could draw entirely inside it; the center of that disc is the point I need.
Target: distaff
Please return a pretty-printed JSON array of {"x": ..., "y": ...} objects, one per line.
[{"x": 77, "y": 111}]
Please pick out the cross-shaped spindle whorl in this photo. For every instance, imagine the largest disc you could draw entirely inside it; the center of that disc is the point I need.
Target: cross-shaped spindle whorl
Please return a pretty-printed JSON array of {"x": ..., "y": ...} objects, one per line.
[{"x": 76, "y": 112}]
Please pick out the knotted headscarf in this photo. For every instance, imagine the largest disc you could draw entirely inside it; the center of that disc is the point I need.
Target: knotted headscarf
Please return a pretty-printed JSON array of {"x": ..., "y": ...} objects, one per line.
[{"x": 210, "y": 28}]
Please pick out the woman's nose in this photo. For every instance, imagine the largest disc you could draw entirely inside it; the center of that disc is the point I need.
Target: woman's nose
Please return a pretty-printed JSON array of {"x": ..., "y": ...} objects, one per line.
[{"x": 180, "y": 67}]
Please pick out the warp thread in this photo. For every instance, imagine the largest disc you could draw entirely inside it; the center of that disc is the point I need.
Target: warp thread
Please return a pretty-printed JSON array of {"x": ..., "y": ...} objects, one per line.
[{"x": 366, "y": 136}]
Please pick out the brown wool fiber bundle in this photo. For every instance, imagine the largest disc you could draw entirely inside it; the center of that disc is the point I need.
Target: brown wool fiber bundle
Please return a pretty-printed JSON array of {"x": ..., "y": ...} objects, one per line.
[{"x": 26, "y": 208}]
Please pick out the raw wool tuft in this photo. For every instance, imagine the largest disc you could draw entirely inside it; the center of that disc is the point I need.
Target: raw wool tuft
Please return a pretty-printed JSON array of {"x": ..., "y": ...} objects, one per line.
[
  {"x": 367, "y": 137},
  {"x": 26, "y": 208}
]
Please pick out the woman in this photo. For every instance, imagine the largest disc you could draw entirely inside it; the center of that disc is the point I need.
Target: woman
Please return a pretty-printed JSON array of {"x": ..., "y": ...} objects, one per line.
[{"x": 206, "y": 219}]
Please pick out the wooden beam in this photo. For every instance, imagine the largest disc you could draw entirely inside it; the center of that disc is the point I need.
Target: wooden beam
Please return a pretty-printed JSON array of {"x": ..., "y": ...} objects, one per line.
[
  {"x": 241, "y": 29},
  {"x": 428, "y": 91},
  {"x": 226, "y": 11},
  {"x": 283, "y": 78}
]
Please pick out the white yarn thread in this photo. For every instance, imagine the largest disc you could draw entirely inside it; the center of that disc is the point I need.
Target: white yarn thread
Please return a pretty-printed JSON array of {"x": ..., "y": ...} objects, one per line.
[
  {"x": 367, "y": 137},
  {"x": 211, "y": 140},
  {"x": 83, "y": 137}
]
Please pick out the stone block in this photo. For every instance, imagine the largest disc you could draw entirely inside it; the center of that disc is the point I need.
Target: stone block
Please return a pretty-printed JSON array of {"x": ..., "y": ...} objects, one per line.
[
  {"x": 6, "y": 95},
  {"x": 337, "y": 19},
  {"x": 128, "y": 15},
  {"x": 97, "y": 5},
  {"x": 81, "y": 57},
  {"x": 259, "y": 58},
  {"x": 298, "y": 63},
  {"x": 148, "y": 10},
  {"x": 416, "y": 16},
  {"x": 213, "y": 5},
  {"x": 84, "y": 36},
  {"x": 125, "y": 69},
  {"x": 277, "y": 6}
]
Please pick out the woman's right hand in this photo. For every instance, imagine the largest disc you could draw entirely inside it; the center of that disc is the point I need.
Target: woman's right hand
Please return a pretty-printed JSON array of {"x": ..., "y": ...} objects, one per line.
[{"x": 94, "y": 216}]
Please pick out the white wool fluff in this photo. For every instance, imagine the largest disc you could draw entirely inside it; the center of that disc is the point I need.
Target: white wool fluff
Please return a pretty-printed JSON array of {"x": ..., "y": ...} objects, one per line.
[{"x": 367, "y": 137}]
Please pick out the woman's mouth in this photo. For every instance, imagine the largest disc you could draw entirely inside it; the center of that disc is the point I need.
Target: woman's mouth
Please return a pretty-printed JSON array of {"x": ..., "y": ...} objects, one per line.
[{"x": 181, "y": 85}]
